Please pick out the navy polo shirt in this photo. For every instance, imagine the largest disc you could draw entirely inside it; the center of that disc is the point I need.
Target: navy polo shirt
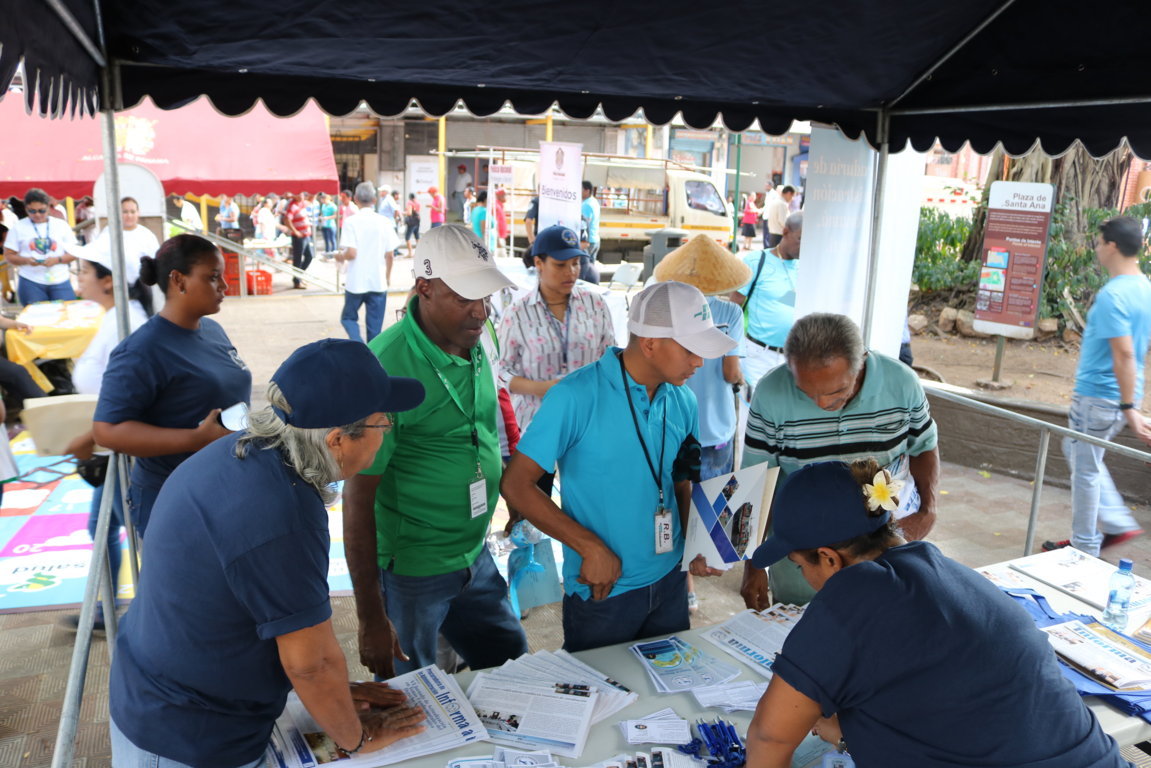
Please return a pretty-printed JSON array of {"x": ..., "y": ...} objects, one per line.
[
  {"x": 169, "y": 376},
  {"x": 927, "y": 663},
  {"x": 237, "y": 556}
]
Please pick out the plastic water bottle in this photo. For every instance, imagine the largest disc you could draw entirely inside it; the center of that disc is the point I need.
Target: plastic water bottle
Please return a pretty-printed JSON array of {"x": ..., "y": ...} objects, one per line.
[{"x": 1119, "y": 597}]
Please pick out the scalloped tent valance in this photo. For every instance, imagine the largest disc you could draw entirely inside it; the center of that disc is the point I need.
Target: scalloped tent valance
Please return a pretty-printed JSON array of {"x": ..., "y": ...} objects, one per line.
[{"x": 957, "y": 72}]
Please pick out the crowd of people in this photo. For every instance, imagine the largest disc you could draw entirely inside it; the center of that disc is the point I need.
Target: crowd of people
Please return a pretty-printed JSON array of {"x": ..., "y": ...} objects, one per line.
[{"x": 444, "y": 411}]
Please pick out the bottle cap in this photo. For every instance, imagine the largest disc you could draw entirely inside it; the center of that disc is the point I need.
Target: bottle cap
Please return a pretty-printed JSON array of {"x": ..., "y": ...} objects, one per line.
[{"x": 1124, "y": 564}]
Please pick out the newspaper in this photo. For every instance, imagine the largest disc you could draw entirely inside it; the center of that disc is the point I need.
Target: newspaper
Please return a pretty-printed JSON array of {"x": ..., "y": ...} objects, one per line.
[
  {"x": 1102, "y": 654},
  {"x": 1085, "y": 578},
  {"x": 756, "y": 637},
  {"x": 555, "y": 717},
  {"x": 728, "y": 516},
  {"x": 674, "y": 665},
  {"x": 298, "y": 742}
]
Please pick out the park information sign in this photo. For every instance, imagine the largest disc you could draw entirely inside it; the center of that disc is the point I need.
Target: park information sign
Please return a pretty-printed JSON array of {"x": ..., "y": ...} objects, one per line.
[{"x": 1014, "y": 256}]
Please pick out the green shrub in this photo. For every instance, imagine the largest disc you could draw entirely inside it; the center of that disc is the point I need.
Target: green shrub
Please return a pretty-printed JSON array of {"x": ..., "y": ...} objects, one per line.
[{"x": 938, "y": 248}]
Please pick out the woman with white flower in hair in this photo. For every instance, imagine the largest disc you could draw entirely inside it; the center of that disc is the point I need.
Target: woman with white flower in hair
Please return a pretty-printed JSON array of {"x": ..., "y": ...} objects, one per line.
[{"x": 905, "y": 658}]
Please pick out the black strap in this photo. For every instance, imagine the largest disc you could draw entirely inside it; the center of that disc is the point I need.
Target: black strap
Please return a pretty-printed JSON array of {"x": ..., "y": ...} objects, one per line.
[
  {"x": 754, "y": 281},
  {"x": 639, "y": 433}
]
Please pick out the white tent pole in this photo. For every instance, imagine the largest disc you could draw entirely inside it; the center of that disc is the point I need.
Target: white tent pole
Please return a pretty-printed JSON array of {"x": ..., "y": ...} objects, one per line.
[
  {"x": 877, "y": 199},
  {"x": 115, "y": 225}
]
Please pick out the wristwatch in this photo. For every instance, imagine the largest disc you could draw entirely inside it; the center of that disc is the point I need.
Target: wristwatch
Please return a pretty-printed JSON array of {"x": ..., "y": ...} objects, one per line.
[{"x": 1126, "y": 406}]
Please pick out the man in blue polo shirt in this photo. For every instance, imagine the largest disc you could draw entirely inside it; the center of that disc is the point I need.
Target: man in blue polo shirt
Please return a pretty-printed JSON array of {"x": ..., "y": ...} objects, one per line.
[
  {"x": 1108, "y": 389},
  {"x": 623, "y": 431}
]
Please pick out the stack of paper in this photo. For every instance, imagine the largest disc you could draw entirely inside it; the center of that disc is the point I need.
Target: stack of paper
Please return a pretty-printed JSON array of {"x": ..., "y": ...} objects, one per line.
[
  {"x": 1084, "y": 577},
  {"x": 561, "y": 667},
  {"x": 546, "y": 701},
  {"x": 298, "y": 742},
  {"x": 507, "y": 758},
  {"x": 1102, "y": 654},
  {"x": 674, "y": 665},
  {"x": 663, "y": 727},
  {"x": 756, "y": 637},
  {"x": 732, "y": 697},
  {"x": 659, "y": 757}
]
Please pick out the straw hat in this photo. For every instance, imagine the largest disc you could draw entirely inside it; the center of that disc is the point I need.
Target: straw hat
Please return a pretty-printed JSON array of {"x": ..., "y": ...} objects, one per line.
[{"x": 706, "y": 264}]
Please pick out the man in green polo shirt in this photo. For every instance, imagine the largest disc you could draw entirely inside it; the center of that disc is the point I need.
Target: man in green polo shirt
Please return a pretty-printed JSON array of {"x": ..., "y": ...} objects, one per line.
[{"x": 415, "y": 522}]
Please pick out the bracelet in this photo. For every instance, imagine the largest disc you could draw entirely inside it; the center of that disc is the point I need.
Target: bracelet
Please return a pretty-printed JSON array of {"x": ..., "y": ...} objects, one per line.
[
  {"x": 1126, "y": 406},
  {"x": 364, "y": 739},
  {"x": 841, "y": 747}
]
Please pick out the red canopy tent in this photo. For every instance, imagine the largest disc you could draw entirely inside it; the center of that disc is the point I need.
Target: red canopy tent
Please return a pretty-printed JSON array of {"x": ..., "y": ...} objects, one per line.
[{"x": 192, "y": 149}]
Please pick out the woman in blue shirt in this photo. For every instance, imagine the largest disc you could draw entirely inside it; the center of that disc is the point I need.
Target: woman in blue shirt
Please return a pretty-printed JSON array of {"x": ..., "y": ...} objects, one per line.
[
  {"x": 904, "y": 657},
  {"x": 167, "y": 383}
]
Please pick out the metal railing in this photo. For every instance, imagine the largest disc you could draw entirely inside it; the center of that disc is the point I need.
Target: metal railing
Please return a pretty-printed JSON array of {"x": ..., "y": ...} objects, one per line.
[
  {"x": 1046, "y": 429},
  {"x": 259, "y": 257}
]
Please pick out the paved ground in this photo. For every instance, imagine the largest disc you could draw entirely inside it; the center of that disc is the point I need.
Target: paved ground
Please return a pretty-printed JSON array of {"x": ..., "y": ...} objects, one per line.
[{"x": 983, "y": 520}]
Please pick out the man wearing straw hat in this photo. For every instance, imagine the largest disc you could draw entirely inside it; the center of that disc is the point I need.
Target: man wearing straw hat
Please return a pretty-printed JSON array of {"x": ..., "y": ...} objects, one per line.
[{"x": 715, "y": 272}]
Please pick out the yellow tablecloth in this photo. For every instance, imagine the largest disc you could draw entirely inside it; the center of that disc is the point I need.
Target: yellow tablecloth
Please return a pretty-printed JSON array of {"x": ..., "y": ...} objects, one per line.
[{"x": 60, "y": 330}]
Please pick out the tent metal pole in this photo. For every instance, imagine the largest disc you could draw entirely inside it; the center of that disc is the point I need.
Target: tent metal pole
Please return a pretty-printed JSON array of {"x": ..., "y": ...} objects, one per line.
[
  {"x": 112, "y": 196},
  {"x": 1113, "y": 102},
  {"x": 97, "y": 570},
  {"x": 78, "y": 31},
  {"x": 736, "y": 214},
  {"x": 877, "y": 198},
  {"x": 950, "y": 52}
]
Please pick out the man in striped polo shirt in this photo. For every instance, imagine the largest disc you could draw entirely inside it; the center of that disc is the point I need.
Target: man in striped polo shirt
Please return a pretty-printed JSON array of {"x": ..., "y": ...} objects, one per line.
[{"x": 837, "y": 401}]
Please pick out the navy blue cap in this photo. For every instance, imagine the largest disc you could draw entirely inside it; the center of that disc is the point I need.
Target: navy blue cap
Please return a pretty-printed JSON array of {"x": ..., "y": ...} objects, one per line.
[
  {"x": 557, "y": 241},
  {"x": 335, "y": 382},
  {"x": 819, "y": 505}
]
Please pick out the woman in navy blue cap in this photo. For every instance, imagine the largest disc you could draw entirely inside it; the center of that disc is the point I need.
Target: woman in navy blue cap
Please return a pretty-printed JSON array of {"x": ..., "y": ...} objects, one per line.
[
  {"x": 904, "y": 657},
  {"x": 232, "y": 611}
]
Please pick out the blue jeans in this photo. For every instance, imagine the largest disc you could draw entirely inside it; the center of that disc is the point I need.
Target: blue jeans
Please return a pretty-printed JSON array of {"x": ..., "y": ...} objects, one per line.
[
  {"x": 716, "y": 460},
  {"x": 469, "y": 607},
  {"x": 374, "y": 303},
  {"x": 329, "y": 238},
  {"x": 115, "y": 551},
  {"x": 1096, "y": 506},
  {"x": 32, "y": 293},
  {"x": 140, "y": 501},
  {"x": 125, "y": 754},
  {"x": 657, "y": 609}
]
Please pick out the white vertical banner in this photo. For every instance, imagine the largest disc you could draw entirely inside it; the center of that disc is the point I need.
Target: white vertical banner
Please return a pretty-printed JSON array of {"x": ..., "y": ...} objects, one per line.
[
  {"x": 422, "y": 172},
  {"x": 836, "y": 228},
  {"x": 560, "y": 178}
]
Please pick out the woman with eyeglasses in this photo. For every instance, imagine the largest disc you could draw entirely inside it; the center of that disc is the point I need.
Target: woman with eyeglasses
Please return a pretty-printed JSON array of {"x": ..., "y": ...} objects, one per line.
[
  {"x": 37, "y": 245},
  {"x": 234, "y": 611}
]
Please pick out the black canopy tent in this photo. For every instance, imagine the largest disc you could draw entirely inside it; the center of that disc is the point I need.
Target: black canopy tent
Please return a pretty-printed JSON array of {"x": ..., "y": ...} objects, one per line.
[
  {"x": 1012, "y": 72},
  {"x": 984, "y": 71}
]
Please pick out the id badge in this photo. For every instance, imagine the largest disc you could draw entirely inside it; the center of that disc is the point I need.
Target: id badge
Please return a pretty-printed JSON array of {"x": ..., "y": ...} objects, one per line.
[
  {"x": 663, "y": 531},
  {"x": 478, "y": 496}
]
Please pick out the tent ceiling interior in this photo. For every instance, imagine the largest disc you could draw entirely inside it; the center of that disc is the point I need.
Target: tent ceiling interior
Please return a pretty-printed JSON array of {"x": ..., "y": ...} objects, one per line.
[{"x": 833, "y": 61}]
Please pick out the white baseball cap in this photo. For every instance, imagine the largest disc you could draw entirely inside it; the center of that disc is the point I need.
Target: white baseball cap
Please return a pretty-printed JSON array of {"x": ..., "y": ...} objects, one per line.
[
  {"x": 100, "y": 253},
  {"x": 454, "y": 254},
  {"x": 678, "y": 311}
]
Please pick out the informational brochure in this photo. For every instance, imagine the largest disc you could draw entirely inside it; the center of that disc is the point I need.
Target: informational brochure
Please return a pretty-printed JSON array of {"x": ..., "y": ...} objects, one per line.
[
  {"x": 756, "y": 637},
  {"x": 663, "y": 727},
  {"x": 450, "y": 722},
  {"x": 548, "y": 668},
  {"x": 1102, "y": 654},
  {"x": 1084, "y": 577},
  {"x": 728, "y": 516},
  {"x": 674, "y": 665},
  {"x": 554, "y": 717},
  {"x": 735, "y": 696}
]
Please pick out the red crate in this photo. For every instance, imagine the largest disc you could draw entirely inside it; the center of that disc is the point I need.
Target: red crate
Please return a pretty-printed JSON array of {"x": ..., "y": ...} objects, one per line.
[
  {"x": 233, "y": 282},
  {"x": 259, "y": 283},
  {"x": 231, "y": 264}
]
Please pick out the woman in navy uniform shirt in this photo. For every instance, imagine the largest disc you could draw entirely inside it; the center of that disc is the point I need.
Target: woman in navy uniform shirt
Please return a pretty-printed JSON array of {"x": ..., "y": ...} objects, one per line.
[{"x": 166, "y": 384}]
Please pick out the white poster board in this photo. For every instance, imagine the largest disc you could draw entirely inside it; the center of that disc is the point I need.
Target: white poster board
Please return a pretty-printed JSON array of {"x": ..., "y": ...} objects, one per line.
[
  {"x": 560, "y": 180},
  {"x": 837, "y": 214},
  {"x": 422, "y": 172}
]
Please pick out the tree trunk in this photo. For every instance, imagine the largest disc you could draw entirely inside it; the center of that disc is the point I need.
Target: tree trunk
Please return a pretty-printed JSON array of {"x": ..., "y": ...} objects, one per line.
[{"x": 1080, "y": 180}]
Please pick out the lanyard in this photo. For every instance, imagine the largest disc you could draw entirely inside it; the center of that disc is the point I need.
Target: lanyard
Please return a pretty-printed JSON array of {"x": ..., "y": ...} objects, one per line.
[
  {"x": 657, "y": 476},
  {"x": 451, "y": 390},
  {"x": 561, "y": 333}
]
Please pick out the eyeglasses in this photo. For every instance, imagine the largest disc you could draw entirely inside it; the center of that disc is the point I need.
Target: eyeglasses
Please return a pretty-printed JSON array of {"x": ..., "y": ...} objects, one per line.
[{"x": 391, "y": 422}]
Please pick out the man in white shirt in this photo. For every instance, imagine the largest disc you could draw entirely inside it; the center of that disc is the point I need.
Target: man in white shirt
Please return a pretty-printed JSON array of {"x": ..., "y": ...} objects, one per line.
[
  {"x": 775, "y": 212},
  {"x": 462, "y": 181},
  {"x": 367, "y": 241}
]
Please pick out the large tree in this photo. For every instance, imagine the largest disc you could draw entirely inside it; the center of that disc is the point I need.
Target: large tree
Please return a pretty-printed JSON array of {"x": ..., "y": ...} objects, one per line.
[{"x": 1081, "y": 181}]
